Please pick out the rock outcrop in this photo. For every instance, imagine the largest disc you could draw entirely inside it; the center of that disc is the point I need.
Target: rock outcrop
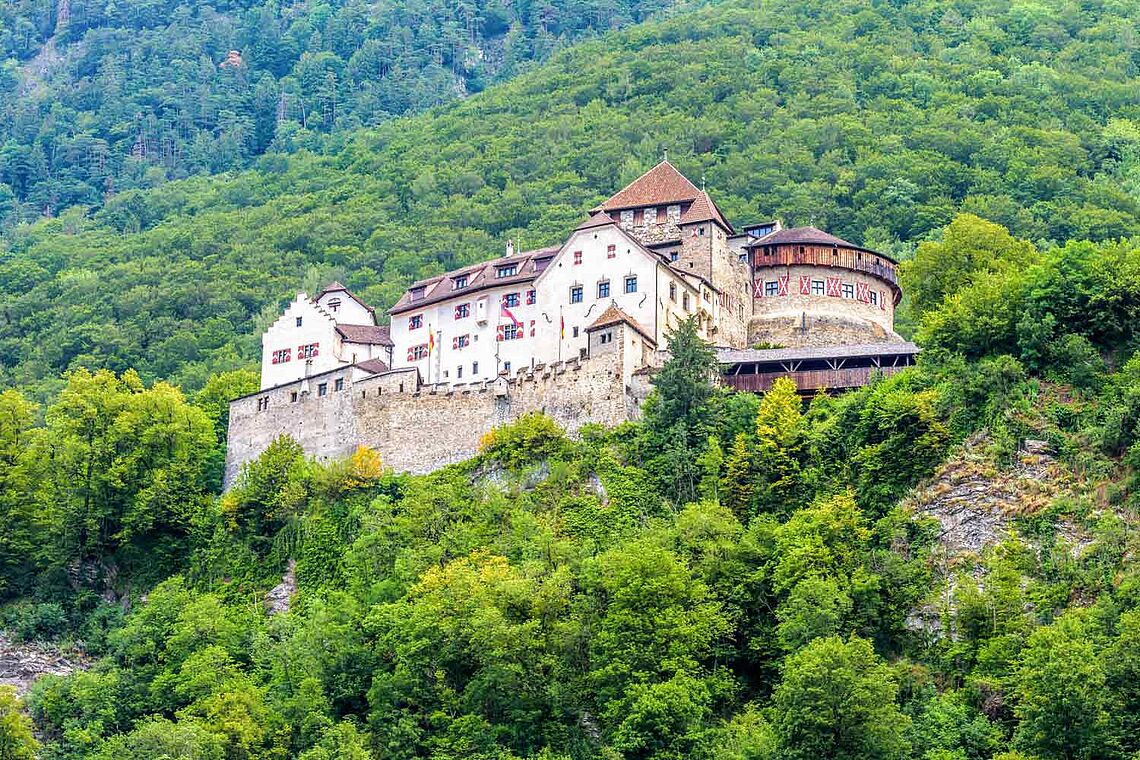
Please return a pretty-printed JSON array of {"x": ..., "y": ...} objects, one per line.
[{"x": 22, "y": 663}]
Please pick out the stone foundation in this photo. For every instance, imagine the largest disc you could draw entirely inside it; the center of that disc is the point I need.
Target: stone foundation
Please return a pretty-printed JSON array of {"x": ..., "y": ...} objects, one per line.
[
  {"x": 419, "y": 428},
  {"x": 808, "y": 330}
]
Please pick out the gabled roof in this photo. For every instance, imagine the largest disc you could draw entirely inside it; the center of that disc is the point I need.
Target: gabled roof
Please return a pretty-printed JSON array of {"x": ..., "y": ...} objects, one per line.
[
  {"x": 660, "y": 185},
  {"x": 704, "y": 209},
  {"x": 613, "y": 315},
  {"x": 599, "y": 219},
  {"x": 377, "y": 335},
  {"x": 336, "y": 287},
  {"x": 479, "y": 276}
]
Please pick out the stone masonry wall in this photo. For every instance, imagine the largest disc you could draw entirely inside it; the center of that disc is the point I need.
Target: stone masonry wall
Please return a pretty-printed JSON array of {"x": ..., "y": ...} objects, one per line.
[
  {"x": 429, "y": 426},
  {"x": 829, "y": 320}
]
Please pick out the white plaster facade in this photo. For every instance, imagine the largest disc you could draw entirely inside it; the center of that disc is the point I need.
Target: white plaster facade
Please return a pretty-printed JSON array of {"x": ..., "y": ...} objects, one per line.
[{"x": 313, "y": 336}]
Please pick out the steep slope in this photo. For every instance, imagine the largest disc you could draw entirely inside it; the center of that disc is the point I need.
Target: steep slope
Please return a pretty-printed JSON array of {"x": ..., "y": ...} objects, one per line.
[
  {"x": 103, "y": 96},
  {"x": 878, "y": 124}
]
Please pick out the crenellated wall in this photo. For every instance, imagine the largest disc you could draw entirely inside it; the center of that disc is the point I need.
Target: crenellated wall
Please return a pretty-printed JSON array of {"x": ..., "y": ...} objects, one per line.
[{"x": 418, "y": 428}]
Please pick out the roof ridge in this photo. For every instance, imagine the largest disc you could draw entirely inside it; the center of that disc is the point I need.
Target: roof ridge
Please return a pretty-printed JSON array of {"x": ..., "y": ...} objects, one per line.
[{"x": 662, "y": 184}]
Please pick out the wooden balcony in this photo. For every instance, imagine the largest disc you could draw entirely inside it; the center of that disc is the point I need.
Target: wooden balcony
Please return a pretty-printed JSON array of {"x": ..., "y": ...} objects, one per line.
[
  {"x": 825, "y": 256},
  {"x": 813, "y": 369}
]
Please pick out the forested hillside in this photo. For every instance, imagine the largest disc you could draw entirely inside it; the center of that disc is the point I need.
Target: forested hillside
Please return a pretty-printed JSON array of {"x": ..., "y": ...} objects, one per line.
[
  {"x": 878, "y": 122},
  {"x": 99, "y": 97},
  {"x": 730, "y": 578}
]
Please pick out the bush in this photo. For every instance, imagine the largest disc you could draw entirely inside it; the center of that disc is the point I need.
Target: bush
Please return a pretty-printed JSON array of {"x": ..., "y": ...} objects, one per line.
[
  {"x": 31, "y": 621},
  {"x": 532, "y": 438}
]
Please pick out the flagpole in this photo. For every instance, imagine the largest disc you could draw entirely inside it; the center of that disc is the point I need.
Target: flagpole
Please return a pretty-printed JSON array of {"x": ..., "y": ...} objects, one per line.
[{"x": 561, "y": 330}]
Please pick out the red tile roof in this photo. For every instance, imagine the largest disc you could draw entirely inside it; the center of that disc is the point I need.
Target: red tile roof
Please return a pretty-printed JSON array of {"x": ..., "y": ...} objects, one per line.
[
  {"x": 660, "y": 185},
  {"x": 810, "y": 236},
  {"x": 377, "y": 335},
  {"x": 704, "y": 209},
  {"x": 614, "y": 315},
  {"x": 480, "y": 277}
]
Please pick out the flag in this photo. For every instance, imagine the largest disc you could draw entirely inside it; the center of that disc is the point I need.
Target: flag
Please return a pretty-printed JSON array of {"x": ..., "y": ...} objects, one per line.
[
  {"x": 561, "y": 326},
  {"x": 505, "y": 312},
  {"x": 431, "y": 340}
]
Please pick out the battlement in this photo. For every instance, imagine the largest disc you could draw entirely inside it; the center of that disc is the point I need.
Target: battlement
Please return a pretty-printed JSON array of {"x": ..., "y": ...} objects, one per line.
[{"x": 418, "y": 427}]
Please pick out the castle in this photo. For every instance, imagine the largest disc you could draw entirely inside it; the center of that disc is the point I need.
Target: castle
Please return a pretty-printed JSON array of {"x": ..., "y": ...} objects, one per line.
[{"x": 572, "y": 330}]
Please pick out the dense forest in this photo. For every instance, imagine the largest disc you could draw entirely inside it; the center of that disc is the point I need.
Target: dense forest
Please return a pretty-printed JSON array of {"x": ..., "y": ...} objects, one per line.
[
  {"x": 98, "y": 97},
  {"x": 879, "y": 122},
  {"x": 731, "y": 577}
]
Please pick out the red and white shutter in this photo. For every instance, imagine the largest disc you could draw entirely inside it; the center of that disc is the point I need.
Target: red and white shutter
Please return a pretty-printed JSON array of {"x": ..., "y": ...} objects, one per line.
[
  {"x": 834, "y": 287},
  {"x": 805, "y": 285},
  {"x": 782, "y": 285},
  {"x": 882, "y": 300},
  {"x": 758, "y": 288},
  {"x": 862, "y": 292}
]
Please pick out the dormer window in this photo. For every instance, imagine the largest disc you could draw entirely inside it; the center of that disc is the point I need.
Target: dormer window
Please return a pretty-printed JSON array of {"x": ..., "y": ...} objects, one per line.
[
  {"x": 459, "y": 282},
  {"x": 510, "y": 270},
  {"x": 334, "y": 304},
  {"x": 417, "y": 293}
]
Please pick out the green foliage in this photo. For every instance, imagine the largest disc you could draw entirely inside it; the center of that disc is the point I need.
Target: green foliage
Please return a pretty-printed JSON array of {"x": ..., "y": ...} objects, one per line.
[
  {"x": 125, "y": 98},
  {"x": 534, "y": 437},
  {"x": 1063, "y": 709},
  {"x": 879, "y": 126},
  {"x": 16, "y": 739},
  {"x": 837, "y": 700}
]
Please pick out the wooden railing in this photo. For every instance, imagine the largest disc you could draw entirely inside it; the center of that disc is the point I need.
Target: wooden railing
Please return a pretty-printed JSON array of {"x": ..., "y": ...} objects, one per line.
[
  {"x": 847, "y": 258},
  {"x": 809, "y": 381}
]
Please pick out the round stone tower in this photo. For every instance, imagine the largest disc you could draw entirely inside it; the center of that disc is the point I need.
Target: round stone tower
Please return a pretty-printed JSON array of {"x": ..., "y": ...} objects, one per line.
[{"x": 814, "y": 289}]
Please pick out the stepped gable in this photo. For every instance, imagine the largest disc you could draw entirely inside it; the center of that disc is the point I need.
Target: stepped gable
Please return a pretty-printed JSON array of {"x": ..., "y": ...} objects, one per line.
[
  {"x": 704, "y": 209},
  {"x": 599, "y": 219},
  {"x": 661, "y": 185},
  {"x": 336, "y": 287},
  {"x": 613, "y": 315},
  {"x": 376, "y": 335},
  {"x": 479, "y": 277}
]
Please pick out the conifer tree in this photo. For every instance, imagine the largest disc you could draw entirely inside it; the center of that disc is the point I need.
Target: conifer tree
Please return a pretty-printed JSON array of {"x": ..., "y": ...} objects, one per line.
[{"x": 780, "y": 446}]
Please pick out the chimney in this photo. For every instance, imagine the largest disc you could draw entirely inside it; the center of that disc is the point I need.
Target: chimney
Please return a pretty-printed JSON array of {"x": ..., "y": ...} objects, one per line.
[{"x": 510, "y": 248}]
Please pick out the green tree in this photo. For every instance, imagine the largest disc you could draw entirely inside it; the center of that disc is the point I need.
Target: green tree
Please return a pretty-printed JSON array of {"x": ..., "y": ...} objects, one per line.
[
  {"x": 1063, "y": 705},
  {"x": 837, "y": 700},
  {"x": 16, "y": 739},
  {"x": 970, "y": 248},
  {"x": 780, "y": 447}
]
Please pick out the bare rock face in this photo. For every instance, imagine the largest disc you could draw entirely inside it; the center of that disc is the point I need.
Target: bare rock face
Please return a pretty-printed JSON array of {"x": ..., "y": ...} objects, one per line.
[
  {"x": 278, "y": 598},
  {"x": 22, "y": 664},
  {"x": 974, "y": 501}
]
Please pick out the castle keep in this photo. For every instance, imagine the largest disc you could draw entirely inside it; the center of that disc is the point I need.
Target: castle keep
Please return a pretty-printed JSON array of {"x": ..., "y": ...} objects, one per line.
[{"x": 571, "y": 330}]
